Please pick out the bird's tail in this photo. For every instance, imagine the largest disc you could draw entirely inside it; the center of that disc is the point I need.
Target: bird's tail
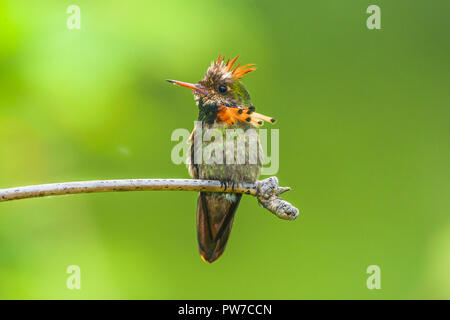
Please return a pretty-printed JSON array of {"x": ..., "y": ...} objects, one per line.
[{"x": 215, "y": 214}]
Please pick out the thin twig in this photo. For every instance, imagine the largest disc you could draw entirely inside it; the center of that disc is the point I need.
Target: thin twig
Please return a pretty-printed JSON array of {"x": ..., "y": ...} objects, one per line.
[{"x": 266, "y": 191}]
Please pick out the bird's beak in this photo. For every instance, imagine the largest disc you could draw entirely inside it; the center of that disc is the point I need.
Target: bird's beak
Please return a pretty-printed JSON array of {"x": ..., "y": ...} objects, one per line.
[{"x": 195, "y": 87}]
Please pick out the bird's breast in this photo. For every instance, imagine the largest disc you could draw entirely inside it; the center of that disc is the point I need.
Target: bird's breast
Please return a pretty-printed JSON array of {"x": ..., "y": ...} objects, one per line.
[{"x": 226, "y": 153}]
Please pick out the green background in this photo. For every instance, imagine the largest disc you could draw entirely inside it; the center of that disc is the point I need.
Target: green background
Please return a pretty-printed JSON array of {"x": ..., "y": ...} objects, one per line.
[{"x": 364, "y": 143}]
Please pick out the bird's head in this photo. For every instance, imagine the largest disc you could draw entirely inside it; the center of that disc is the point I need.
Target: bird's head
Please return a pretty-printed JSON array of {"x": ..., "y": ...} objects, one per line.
[{"x": 221, "y": 96}]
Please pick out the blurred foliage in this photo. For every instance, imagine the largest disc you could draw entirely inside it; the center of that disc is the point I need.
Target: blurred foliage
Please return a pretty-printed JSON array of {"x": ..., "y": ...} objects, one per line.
[{"x": 363, "y": 118}]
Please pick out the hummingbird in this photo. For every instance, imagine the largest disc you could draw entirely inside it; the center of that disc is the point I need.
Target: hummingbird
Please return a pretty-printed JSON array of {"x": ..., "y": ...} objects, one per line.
[{"x": 223, "y": 103}]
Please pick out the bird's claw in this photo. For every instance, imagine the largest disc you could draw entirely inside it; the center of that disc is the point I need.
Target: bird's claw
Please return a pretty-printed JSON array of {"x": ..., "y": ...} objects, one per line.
[{"x": 225, "y": 184}]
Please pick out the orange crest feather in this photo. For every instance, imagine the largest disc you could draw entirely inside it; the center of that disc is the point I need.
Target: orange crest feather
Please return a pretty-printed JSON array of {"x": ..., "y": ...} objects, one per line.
[{"x": 239, "y": 71}]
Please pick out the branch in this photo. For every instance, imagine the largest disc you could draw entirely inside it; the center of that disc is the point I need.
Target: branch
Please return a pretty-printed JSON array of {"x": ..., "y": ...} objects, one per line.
[{"x": 266, "y": 190}]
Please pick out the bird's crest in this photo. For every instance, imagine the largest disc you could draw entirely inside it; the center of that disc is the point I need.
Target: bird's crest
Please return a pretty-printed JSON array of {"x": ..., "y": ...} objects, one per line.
[
  {"x": 238, "y": 71},
  {"x": 225, "y": 71}
]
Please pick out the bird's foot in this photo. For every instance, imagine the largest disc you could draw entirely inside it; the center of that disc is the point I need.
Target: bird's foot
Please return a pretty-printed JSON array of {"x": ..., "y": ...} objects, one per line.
[{"x": 225, "y": 184}]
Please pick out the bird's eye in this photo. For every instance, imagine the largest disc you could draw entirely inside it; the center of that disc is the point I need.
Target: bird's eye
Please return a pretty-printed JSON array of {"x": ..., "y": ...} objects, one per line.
[{"x": 222, "y": 89}]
